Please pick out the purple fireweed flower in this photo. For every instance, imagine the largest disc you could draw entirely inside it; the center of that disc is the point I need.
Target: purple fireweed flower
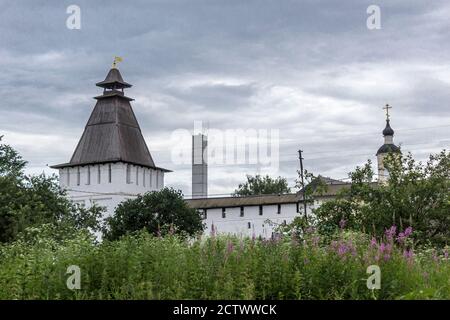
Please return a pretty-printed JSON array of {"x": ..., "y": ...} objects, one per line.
[
  {"x": 408, "y": 231},
  {"x": 388, "y": 248},
  {"x": 401, "y": 237},
  {"x": 230, "y": 247},
  {"x": 408, "y": 254},
  {"x": 387, "y": 257},
  {"x": 342, "y": 249},
  {"x": 382, "y": 247},
  {"x": 390, "y": 233},
  {"x": 373, "y": 242},
  {"x": 446, "y": 254},
  {"x": 342, "y": 223}
]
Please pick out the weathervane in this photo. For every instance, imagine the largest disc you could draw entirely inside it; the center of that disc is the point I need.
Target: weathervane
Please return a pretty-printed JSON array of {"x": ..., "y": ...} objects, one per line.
[
  {"x": 387, "y": 107},
  {"x": 116, "y": 60}
]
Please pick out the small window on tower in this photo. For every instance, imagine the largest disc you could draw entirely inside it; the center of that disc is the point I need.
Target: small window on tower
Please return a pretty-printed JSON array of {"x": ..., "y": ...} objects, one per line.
[
  {"x": 260, "y": 210},
  {"x": 109, "y": 173},
  {"x": 224, "y": 213},
  {"x": 249, "y": 225},
  {"x": 279, "y": 209},
  {"x": 88, "y": 181},
  {"x": 128, "y": 173},
  {"x": 78, "y": 176},
  {"x": 99, "y": 174},
  {"x": 143, "y": 177},
  {"x": 137, "y": 175},
  {"x": 242, "y": 211}
]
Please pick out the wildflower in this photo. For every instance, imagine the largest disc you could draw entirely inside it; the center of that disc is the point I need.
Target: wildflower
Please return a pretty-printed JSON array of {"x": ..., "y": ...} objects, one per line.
[
  {"x": 446, "y": 254},
  {"x": 390, "y": 233},
  {"x": 373, "y": 242},
  {"x": 408, "y": 255},
  {"x": 382, "y": 247},
  {"x": 342, "y": 249},
  {"x": 387, "y": 256},
  {"x": 342, "y": 223},
  {"x": 230, "y": 247},
  {"x": 401, "y": 237},
  {"x": 408, "y": 231}
]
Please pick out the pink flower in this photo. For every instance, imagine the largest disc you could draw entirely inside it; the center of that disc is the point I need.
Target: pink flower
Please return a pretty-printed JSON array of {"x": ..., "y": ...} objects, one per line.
[
  {"x": 401, "y": 237},
  {"x": 408, "y": 231},
  {"x": 390, "y": 233},
  {"x": 230, "y": 247},
  {"x": 408, "y": 254},
  {"x": 342, "y": 223},
  {"x": 446, "y": 254},
  {"x": 373, "y": 242}
]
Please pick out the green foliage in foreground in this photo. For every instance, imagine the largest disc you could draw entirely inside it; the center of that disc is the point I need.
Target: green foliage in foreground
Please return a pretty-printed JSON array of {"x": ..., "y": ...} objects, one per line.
[{"x": 147, "y": 267}]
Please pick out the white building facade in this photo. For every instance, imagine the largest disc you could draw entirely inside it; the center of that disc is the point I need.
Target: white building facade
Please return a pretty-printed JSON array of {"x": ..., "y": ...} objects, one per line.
[{"x": 257, "y": 216}]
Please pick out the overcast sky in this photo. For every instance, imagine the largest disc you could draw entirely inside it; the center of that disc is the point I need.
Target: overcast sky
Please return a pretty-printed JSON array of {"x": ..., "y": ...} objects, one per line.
[{"x": 310, "y": 69}]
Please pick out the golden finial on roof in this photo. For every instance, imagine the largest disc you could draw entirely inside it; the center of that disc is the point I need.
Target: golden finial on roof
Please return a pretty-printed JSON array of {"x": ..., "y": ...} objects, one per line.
[{"x": 116, "y": 60}]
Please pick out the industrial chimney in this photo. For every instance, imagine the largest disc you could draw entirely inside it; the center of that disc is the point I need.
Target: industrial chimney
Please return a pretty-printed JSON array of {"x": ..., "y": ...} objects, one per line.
[{"x": 199, "y": 166}]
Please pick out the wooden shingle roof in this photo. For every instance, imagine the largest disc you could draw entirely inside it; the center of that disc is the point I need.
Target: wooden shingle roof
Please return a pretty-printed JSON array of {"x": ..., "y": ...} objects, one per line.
[{"x": 112, "y": 133}]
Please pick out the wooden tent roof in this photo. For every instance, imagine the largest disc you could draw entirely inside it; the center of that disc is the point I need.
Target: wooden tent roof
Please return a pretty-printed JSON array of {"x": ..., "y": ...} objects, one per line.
[{"x": 112, "y": 133}]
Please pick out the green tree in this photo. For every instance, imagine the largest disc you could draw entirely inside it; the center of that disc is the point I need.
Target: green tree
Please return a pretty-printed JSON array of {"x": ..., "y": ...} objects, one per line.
[
  {"x": 416, "y": 195},
  {"x": 33, "y": 201},
  {"x": 258, "y": 185},
  {"x": 157, "y": 212}
]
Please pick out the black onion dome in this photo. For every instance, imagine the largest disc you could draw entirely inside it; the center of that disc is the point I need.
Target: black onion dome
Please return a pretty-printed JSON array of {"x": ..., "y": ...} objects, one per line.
[
  {"x": 388, "y": 148},
  {"x": 388, "y": 131}
]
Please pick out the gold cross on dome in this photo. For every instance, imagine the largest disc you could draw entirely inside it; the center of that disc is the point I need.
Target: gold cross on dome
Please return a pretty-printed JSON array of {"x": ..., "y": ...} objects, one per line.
[{"x": 387, "y": 107}]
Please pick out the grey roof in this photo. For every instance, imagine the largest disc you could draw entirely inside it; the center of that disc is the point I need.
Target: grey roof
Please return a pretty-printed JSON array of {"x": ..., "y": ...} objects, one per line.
[
  {"x": 113, "y": 80},
  {"x": 228, "y": 202},
  {"x": 112, "y": 134},
  {"x": 268, "y": 199},
  {"x": 388, "y": 148}
]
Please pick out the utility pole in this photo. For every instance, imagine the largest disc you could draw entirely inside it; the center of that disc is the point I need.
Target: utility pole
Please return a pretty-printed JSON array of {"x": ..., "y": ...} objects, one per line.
[{"x": 303, "y": 181}]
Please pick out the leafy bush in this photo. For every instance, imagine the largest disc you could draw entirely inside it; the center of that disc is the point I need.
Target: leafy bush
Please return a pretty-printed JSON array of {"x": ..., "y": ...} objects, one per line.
[
  {"x": 157, "y": 212},
  {"x": 416, "y": 195},
  {"x": 31, "y": 201}
]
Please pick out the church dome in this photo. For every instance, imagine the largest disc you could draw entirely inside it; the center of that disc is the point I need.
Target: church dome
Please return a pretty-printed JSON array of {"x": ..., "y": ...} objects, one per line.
[
  {"x": 388, "y": 131},
  {"x": 388, "y": 148}
]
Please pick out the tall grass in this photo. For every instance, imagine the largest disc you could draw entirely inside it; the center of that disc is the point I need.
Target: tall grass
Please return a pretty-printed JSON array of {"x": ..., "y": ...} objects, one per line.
[{"x": 220, "y": 267}]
